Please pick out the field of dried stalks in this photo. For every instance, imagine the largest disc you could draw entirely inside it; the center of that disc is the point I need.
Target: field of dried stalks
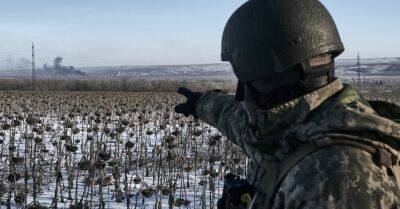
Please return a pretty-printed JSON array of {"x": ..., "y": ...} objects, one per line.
[
  {"x": 114, "y": 150},
  {"x": 108, "y": 150}
]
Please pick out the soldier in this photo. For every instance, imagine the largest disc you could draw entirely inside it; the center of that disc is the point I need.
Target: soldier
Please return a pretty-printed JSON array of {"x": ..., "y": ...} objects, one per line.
[{"x": 313, "y": 141}]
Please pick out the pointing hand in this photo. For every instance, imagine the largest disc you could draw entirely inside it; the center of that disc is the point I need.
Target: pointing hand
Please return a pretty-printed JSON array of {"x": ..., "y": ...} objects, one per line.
[{"x": 189, "y": 107}]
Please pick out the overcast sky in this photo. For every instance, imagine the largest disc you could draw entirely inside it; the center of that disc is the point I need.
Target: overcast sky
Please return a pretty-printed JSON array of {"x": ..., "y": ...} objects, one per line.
[{"x": 104, "y": 32}]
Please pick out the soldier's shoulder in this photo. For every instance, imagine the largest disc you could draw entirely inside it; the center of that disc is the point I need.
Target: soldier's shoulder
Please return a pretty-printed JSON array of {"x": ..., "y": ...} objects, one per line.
[{"x": 343, "y": 175}]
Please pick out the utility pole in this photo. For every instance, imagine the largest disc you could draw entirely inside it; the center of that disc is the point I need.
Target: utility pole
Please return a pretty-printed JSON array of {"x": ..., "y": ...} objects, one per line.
[
  {"x": 358, "y": 69},
  {"x": 33, "y": 68}
]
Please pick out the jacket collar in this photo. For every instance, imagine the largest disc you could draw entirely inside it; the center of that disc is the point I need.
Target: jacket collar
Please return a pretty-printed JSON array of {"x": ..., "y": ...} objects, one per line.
[{"x": 290, "y": 113}]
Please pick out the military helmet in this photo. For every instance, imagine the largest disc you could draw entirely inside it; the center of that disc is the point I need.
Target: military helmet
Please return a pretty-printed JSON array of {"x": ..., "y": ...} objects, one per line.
[{"x": 266, "y": 37}]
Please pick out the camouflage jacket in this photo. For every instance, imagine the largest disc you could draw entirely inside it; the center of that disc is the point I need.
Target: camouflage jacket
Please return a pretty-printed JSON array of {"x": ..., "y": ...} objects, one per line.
[{"x": 334, "y": 177}]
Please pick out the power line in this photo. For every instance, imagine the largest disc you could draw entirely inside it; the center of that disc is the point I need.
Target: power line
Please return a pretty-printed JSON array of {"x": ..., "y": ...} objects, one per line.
[
  {"x": 33, "y": 68},
  {"x": 358, "y": 68},
  {"x": 126, "y": 61}
]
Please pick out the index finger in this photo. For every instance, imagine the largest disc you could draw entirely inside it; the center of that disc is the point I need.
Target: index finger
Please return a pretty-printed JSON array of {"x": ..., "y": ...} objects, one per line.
[{"x": 184, "y": 91}]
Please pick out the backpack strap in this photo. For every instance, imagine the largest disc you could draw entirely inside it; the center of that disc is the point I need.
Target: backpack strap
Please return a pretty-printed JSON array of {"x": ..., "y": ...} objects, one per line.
[{"x": 310, "y": 148}]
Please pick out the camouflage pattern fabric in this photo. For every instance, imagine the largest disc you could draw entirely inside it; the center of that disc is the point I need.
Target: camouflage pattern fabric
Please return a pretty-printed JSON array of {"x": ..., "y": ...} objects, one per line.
[
  {"x": 334, "y": 177},
  {"x": 337, "y": 177}
]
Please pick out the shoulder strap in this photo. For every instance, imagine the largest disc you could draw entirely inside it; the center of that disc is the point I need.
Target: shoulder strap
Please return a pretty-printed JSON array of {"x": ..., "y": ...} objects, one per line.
[{"x": 310, "y": 148}]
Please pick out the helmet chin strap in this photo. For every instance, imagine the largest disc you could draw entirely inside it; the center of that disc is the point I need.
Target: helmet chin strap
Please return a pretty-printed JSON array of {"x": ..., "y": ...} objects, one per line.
[
  {"x": 316, "y": 77},
  {"x": 240, "y": 91}
]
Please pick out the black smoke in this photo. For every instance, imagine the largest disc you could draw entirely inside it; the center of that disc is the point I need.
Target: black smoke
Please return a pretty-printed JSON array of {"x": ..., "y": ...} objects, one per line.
[
  {"x": 58, "y": 69},
  {"x": 57, "y": 63}
]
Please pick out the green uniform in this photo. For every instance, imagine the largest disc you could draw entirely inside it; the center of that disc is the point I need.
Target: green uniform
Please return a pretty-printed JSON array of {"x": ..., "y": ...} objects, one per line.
[{"x": 340, "y": 175}]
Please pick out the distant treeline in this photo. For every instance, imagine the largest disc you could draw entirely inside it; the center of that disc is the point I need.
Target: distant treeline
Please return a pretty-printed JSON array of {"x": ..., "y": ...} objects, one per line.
[{"x": 113, "y": 85}]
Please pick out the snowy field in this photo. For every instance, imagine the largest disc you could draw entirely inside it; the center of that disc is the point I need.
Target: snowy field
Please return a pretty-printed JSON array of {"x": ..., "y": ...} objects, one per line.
[
  {"x": 118, "y": 150},
  {"x": 108, "y": 150}
]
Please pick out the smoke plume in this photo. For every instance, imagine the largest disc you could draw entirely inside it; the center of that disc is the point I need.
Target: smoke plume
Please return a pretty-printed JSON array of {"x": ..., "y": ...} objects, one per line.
[{"x": 58, "y": 69}]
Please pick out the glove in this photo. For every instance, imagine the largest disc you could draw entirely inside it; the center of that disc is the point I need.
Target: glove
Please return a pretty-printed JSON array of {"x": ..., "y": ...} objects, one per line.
[
  {"x": 189, "y": 107},
  {"x": 238, "y": 193}
]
